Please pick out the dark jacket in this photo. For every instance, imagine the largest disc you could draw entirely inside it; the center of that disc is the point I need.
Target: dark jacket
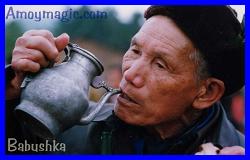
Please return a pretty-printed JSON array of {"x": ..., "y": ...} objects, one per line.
[{"x": 113, "y": 136}]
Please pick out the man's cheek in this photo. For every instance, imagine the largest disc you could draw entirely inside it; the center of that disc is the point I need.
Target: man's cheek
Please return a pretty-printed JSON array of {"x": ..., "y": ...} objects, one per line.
[{"x": 125, "y": 66}]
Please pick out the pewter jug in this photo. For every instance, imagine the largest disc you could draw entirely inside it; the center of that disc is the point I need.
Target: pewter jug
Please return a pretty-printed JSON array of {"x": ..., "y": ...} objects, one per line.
[{"x": 56, "y": 98}]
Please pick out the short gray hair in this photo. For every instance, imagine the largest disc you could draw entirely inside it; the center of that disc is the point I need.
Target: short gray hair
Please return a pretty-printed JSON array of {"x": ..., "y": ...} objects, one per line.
[{"x": 202, "y": 71}]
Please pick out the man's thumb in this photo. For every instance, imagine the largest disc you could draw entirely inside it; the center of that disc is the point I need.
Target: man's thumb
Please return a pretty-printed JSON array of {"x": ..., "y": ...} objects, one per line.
[{"x": 61, "y": 41}]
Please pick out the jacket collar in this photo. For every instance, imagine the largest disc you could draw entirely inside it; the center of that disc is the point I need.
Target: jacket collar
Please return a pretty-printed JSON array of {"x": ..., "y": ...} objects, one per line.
[{"x": 180, "y": 144}]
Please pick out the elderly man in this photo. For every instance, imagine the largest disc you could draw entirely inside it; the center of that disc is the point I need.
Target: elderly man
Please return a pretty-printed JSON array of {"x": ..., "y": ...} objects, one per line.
[{"x": 182, "y": 61}]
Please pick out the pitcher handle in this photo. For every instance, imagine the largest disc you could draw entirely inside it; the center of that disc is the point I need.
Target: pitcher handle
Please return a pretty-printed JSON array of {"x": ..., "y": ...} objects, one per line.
[{"x": 28, "y": 78}]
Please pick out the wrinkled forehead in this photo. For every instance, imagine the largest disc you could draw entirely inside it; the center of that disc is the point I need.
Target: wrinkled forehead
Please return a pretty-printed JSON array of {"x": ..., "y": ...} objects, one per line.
[{"x": 164, "y": 29}]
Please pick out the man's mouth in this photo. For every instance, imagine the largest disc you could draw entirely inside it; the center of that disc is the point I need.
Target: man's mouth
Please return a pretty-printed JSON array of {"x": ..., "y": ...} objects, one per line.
[{"x": 125, "y": 96}]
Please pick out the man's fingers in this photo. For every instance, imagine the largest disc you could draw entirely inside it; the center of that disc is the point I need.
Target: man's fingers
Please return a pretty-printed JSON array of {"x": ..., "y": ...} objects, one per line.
[
  {"x": 208, "y": 149},
  {"x": 44, "y": 33},
  {"x": 234, "y": 150},
  {"x": 62, "y": 41},
  {"x": 31, "y": 54},
  {"x": 25, "y": 65},
  {"x": 36, "y": 48},
  {"x": 37, "y": 56},
  {"x": 38, "y": 43}
]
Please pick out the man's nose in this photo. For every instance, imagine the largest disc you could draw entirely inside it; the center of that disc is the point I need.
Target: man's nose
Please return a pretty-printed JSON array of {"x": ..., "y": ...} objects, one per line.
[{"x": 135, "y": 74}]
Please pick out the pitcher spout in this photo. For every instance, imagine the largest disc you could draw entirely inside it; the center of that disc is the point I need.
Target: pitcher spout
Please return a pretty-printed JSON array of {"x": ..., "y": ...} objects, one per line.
[{"x": 98, "y": 107}]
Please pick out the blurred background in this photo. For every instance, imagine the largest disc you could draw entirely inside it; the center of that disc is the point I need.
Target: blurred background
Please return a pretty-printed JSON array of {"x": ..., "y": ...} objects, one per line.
[{"x": 108, "y": 37}]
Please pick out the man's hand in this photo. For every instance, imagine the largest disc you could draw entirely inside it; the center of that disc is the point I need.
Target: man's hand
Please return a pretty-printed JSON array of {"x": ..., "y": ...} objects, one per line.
[
  {"x": 33, "y": 51},
  {"x": 234, "y": 150},
  {"x": 210, "y": 149}
]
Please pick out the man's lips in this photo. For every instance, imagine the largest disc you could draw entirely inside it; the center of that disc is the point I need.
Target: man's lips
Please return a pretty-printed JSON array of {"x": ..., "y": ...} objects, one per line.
[{"x": 128, "y": 98}]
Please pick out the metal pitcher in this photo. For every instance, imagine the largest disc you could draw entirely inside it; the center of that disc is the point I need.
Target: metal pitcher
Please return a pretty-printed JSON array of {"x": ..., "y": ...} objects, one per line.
[{"x": 56, "y": 98}]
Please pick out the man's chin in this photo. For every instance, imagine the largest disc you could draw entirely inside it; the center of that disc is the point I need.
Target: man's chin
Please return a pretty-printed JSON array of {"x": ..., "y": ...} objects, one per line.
[
  {"x": 123, "y": 115},
  {"x": 127, "y": 117}
]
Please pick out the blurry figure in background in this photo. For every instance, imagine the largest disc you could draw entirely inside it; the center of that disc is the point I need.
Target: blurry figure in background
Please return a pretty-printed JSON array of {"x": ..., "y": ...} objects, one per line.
[
  {"x": 235, "y": 109},
  {"x": 113, "y": 78},
  {"x": 235, "y": 105}
]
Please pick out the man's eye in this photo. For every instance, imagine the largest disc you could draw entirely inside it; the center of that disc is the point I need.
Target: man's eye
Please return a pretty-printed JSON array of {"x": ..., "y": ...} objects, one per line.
[
  {"x": 160, "y": 65},
  {"x": 135, "y": 51}
]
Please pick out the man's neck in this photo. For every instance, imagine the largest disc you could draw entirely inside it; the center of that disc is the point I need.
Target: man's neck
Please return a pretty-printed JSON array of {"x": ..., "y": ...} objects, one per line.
[{"x": 175, "y": 127}]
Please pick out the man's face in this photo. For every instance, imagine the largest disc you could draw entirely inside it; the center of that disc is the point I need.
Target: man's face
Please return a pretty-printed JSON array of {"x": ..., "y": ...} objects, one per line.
[{"x": 158, "y": 75}]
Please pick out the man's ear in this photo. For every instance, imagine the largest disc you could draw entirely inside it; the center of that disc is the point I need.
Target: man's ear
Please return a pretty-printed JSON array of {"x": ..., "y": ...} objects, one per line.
[{"x": 210, "y": 91}]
